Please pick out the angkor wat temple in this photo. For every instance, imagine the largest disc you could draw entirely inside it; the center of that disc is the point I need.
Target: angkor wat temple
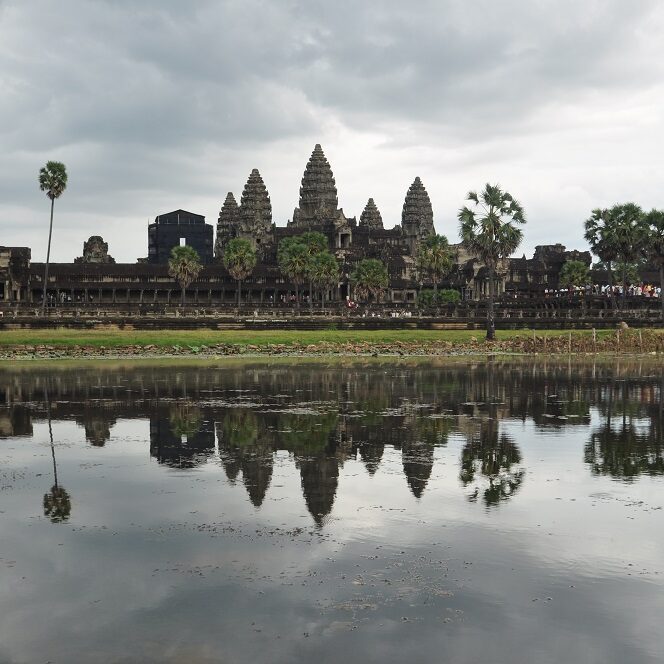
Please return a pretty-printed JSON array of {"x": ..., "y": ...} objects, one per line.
[{"x": 96, "y": 277}]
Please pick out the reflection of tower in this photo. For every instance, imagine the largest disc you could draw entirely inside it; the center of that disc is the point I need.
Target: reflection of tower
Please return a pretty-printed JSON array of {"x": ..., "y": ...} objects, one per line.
[
  {"x": 97, "y": 425},
  {"x": 240, "y": 450},
  {"x": 257, "y": 473},
  {"x": 417, "y": 460},
  {"x": 320, "y": 476},
  {"x": 371, "y": 454},
  {"x": 183, "y": 439}
]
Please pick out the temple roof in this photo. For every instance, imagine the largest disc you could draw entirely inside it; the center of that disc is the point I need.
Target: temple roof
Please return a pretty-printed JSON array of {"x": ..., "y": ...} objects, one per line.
[
  {"x": 319, "y": 190},
  {"x": 255, "y": 205},
  {"x": 417, "y": 213},
  {"x": 230, "y": 211},
  {"x": 370, "y": 217}
]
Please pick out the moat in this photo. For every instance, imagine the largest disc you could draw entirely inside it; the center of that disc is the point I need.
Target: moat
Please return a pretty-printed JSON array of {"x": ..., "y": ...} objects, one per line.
[{"x": 479, "y": 510}]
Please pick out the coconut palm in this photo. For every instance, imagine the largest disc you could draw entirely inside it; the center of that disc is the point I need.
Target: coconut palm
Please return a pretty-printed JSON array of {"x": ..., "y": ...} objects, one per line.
[
  {"x": 293, "y": 257},
  {"x": 654, "y": 248},
  {"x": 435, "y": 258},
  {"x": 490, "y": 232},
  {"x": 324, "y": 272},
  {"x": 369, "y": 278},
  {"x": 240, "y": 260},
  {"x": 184, "y": 266},
  {"x": 53, "y": 181}
]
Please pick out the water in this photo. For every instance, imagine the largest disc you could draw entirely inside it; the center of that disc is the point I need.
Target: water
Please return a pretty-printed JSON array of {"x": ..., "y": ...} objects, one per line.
[{"x": 475, "y": 511}]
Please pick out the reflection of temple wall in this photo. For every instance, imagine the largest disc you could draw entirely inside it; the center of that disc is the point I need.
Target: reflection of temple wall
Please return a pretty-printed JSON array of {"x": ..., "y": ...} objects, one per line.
[
  {"x": 325, "y": 414},
  {"x": 15, "y": 421}
]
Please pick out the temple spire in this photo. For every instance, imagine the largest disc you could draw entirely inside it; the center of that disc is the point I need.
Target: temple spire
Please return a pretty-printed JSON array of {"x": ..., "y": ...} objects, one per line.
[
  {"x": 370, "y": 217},
  {"x": 255, "y": 208},
  {"x": 318, "y": 192},
  {"x": 417, "y": 213},
  {"x": 228, "y": 224}
]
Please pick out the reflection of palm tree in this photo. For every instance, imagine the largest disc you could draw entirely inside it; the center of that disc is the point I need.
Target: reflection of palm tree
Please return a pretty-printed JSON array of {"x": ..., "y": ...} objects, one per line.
[
  {"x": 57, "y": 503},
  {"x": 492, "y": 456}
]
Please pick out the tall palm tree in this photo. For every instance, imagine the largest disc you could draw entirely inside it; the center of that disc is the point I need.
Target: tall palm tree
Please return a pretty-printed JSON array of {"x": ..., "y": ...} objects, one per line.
[
  {"x": 184, "y": 266},
  {"x": 324, "y": 272},
  {"x": 240, "y": 260},
  {"x": 654, "y": 248},
  {"x": 370, "y": 277},
  {"x": 630, "y": 236},
  {"x": 600, "y": 235},
  {"x": 294, "y": 259},
  {"x": 490, "y": 232},
  {"x": 52, "y": 180},
  {"x": 435, "y": 258},
  {"x": 315, "y": 243}
]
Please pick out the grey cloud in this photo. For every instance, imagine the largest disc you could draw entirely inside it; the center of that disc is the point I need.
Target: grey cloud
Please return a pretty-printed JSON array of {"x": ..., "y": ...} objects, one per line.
[{"x": 160, "y": 101}]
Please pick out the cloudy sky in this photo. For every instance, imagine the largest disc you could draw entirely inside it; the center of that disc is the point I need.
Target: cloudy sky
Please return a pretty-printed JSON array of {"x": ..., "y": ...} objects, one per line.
[{"x": 164, "y": 104}]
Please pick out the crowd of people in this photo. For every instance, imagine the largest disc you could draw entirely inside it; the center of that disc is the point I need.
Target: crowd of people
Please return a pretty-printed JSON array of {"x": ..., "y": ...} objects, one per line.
[{"x": 633, "y": 290}]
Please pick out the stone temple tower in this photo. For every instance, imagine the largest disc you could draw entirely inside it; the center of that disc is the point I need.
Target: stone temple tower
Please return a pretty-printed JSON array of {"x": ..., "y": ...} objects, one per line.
[
  {"x": 228, "y": 224},
  {"x": 255, "y": 210},
  {"x": 417, "y": 215},
  {"x": 370, "y": 217},
  {"x": 318, "y": 193}
]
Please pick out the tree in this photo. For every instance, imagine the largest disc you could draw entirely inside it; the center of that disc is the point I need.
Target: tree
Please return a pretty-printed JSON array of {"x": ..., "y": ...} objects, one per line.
[
  {"x": 369, "y": 278},
  {"x": 435, "y": 258},
  {"x": 599, "y": 235},
  {"x": 184, "y": 266},
  {"x": 52, "y": 180},
  {"x": 574, "y": 273},
  {"x": 629, "y": 234},
  {"x": 293, "y": 257},
  {"x": 240, "y": 260},
  {"x": 654, "y": 248},
  {"x": 490, "y": 232},
  {"x": 324, "y": 271},
  {"x": 315, "y": 243},
  {"x": 616, "y": 234}
]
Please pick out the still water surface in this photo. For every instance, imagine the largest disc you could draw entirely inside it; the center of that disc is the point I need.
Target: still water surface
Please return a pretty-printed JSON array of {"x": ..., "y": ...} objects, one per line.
[{"x": 483, "y": 511}]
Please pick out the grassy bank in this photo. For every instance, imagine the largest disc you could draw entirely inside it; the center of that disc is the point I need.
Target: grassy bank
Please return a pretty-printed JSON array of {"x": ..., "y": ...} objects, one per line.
[
  {"x": 25, "y": 344},
  {"x": 114, "y": 338}
]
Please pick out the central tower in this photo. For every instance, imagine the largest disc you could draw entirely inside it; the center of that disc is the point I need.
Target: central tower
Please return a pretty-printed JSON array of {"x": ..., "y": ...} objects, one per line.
[{"x": 318, "y": 193}]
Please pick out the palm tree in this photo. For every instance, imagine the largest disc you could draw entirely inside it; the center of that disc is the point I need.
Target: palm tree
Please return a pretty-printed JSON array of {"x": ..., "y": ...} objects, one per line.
[
  {"x": 370, "y": 278},
  {"x": 490, "y": 233},
  {"x": 435, "y": 258},
  {"x": 324, "y": 272},
  {"x": 184, "y": 266},
  {"x": 240, "y": 260},
  {"x": 294, "y": 258},
  {"x": 52, "y": 180},
  {"x": 630, "y": 236},
  {"x": 654, "y": 249},
  {"x": 315, "y": 243}
]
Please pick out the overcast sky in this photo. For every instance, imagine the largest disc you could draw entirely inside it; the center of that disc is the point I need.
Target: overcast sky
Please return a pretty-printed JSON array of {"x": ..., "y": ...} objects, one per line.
[{"x": 164, "y": 104}]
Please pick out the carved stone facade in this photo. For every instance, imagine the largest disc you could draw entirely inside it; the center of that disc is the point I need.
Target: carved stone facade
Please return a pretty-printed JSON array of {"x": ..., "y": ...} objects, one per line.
[
  {"x": 95, "y": 250},
  {"x": 255, "y": 211}
]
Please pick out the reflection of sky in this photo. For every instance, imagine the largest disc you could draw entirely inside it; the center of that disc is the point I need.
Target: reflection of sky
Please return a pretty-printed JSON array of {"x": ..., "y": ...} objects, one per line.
[{"x": 164, "y": 564}]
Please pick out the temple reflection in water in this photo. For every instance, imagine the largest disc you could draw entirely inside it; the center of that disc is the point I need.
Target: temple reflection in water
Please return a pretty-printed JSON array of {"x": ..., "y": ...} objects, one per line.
[{"x": 323, "y": 414}]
